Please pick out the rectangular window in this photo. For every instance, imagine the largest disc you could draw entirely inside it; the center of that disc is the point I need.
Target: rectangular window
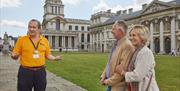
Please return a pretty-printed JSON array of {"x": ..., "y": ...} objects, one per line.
[
  {"x": 76, "y": 27},
  {"x": 82, "y": 28},
  {"x": 88, "y": 29},
  {"x": 82, "y": 37},
  {"x": 70, "y": 27},
  {"x": 88, "y": 38}
]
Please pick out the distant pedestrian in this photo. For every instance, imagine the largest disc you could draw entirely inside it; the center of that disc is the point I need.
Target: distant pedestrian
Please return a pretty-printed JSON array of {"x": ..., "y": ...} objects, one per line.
[
  {"x": 173, "y": 52},
  {"x": 60, "y": 49}
]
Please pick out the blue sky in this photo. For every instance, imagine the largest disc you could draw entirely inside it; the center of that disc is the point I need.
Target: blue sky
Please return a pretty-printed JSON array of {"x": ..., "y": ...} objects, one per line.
[{"x": 15, "y": 14}]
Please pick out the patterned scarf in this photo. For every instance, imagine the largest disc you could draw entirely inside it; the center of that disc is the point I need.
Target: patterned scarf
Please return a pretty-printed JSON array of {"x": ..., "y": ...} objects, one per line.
[{"x": 133, "y": 86}]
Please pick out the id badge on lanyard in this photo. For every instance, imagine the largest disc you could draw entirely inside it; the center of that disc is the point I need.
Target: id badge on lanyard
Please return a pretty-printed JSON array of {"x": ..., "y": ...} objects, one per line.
[{"x": 35, "y": 53}]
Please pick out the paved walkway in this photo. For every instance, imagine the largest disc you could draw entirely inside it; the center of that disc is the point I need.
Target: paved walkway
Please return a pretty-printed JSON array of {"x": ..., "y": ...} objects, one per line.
[{"x": 8, "y": 78}]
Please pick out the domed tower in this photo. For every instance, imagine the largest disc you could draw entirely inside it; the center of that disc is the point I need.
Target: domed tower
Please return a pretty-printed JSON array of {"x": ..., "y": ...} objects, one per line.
[{"x": 52, "y": 9}]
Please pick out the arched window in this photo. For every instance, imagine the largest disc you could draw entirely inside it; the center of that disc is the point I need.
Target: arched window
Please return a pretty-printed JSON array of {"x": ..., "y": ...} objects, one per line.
[
  {"x": 157, "y": 46},
  {"x": 76, "y": 27},
  {"x": 167, "y": 45},
  {"x": 57, "y": 24}
]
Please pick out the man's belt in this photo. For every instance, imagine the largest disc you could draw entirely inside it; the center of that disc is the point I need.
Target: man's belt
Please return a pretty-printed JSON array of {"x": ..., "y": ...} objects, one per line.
[{"x": 33, "y": 68}]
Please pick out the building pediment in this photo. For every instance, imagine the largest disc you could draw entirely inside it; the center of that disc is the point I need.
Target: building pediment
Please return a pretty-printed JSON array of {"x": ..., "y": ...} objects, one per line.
[
  {"x": 54, "y": 19},
  {"x": 155, "y": 6},
  {"x": 58, "y": 18}
]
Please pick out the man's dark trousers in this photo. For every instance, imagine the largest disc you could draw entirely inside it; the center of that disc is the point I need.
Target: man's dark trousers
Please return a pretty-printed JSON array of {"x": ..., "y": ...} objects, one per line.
[{"x": 28, "y": 79}]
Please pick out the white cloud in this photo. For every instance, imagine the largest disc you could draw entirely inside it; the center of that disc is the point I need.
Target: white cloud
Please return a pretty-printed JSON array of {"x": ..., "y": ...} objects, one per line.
[
  {"x": 102, "y": 6},
  {"x": 73, "y": 2},
  {"x": 136, "y": 5},
  {"x": 10, "y": 3},
  {"x": 14, "y": 24}
]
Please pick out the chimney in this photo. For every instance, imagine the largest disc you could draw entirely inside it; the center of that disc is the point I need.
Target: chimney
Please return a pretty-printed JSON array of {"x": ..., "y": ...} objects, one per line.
[
  {"x": 118, "y": 12},
  {"x": 130, "y": 10},
  {"x": 124, "y": 11},
  {"x": 144, "y": 6},
  {"x": 109, "y": 11}
]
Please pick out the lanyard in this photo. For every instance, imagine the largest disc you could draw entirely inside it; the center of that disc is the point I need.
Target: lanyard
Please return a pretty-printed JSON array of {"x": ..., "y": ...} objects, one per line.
[{"x": 35, "y": 47}]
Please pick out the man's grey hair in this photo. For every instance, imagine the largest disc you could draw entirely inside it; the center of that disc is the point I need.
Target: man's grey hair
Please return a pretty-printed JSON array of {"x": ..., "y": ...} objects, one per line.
[{"x": 123, "y": 24}]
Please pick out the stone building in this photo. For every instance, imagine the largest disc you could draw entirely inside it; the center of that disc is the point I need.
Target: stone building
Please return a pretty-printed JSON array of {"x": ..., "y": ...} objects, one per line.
[
  {"x": 65, "y": 33},
  {"x": 162, "y": 18}
]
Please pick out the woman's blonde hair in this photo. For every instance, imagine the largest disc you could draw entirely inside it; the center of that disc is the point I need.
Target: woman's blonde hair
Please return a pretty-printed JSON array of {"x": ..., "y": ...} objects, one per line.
[{"x": 142, "y": 31}]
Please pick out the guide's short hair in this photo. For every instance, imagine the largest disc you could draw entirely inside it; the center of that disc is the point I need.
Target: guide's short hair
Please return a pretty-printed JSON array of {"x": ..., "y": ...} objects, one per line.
[{"x": 38, "y": 23}]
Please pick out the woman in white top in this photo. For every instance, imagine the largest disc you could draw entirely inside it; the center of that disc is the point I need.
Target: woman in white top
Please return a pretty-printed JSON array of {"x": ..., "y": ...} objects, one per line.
[{"x": 140, "y": 75}]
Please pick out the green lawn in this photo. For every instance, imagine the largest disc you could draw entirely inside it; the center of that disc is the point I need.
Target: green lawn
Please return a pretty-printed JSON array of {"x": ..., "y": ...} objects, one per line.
[{"x": 84, "y": 69}]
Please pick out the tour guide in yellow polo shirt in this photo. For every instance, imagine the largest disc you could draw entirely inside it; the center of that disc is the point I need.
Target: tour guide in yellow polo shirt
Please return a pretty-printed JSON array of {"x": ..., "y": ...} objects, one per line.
[{"x": 32, "y": 49}]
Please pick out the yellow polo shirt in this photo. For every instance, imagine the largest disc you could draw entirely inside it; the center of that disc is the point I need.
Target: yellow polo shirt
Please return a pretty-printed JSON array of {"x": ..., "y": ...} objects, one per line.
[{"x": 25, "y": 49}]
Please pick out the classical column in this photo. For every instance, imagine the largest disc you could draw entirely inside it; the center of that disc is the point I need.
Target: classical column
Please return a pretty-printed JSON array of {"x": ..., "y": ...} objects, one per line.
[
  {"x": 161, "y": 37},
  {"x": 63, "y": 41},
  {"x": 79, "y": 42},
  {"x": 56, "y": 42},
  {"x": 105, "y": 41},
  {"x": 50, "y": 40},
  {"x": 54, "y": 26},
  {"x": 62, "y": 26},
  {"x": 100, "y": 41},
  {"x": 173, "y": 35},
  {"x": 91, "y": 40},
  {"x": 75, "y": 42},
  {"x": 49, "y": 25},
  {"x": 94, "y": 41},
  {"x": 97, "y": 39},
  {"x": 151, "y": 36},
  {"x": 69, "y": 42},
  {"x": 85, "y": 41}
]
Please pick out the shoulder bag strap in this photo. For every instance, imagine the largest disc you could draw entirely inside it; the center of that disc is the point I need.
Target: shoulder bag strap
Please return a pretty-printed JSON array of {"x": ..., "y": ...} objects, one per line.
[{"x": 149, "y": 83}]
